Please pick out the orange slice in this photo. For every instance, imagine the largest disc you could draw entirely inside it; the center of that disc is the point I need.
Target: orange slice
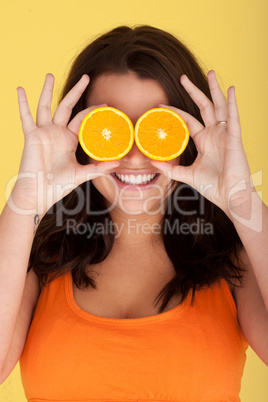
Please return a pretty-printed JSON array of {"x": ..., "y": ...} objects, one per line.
[
  {"x": 161, "y": 134},
  {"x": 106, "y": 134}
]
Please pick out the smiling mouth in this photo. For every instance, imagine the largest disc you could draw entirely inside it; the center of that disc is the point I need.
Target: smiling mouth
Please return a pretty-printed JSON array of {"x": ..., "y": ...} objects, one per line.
[{"x": 136, "y": 180}]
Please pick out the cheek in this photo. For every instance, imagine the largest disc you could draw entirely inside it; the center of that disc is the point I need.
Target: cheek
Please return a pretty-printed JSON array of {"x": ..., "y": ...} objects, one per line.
[
  {"x": 103, "y": 183},
  {"x": 105, "y": 186}
]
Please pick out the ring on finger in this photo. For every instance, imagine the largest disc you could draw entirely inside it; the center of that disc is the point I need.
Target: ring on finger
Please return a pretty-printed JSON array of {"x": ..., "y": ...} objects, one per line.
[{"x": 222, "y": 122}]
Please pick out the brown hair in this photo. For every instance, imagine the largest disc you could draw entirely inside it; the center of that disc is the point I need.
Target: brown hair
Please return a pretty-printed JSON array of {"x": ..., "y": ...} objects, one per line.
[{"x": 199, "y": 258}]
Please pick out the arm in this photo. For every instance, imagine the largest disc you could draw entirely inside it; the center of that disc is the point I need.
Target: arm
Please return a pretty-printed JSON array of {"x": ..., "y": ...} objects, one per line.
[
  {"x": 221, "y": 174},
  {"x": 48, "y": 162},
  {"x": 252, "y": 227},
  {"x": 16, "y": 236},
  {"x": 251, "y": 224}
]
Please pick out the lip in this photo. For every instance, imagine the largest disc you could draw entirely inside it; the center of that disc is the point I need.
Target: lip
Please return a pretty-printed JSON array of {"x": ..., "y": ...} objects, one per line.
[
  {"x": 133, "y": 187},
  {"x": 135, "y": 172}
]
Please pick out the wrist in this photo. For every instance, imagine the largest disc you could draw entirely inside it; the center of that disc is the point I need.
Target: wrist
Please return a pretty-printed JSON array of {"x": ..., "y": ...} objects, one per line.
[
  {"x": 22, "y": 202},
  {"x": 245, "y": 211}
]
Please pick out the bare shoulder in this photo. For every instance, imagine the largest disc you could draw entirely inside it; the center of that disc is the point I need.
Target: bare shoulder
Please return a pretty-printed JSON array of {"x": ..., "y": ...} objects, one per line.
[{"x": 251, "y": 311}]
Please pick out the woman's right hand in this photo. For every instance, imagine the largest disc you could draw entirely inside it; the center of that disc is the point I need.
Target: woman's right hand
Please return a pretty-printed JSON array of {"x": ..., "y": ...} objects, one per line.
[{"x": 49, "y": 169}]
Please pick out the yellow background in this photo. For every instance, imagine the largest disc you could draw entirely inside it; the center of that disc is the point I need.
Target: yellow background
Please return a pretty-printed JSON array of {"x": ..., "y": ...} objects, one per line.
[{"x": 229, "y": 36}]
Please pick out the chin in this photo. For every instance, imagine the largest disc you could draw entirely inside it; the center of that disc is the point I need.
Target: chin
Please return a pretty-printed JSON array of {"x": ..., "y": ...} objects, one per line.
[{"x": 141, "y": 208}]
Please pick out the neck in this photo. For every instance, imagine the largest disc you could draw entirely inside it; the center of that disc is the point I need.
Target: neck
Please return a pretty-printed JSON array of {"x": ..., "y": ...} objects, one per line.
[{"x": 136, "y": 231}]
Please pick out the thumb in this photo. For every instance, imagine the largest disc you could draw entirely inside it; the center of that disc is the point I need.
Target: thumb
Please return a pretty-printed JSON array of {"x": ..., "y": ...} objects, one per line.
[
  {"x": 180, "y": 173},
  {"x": 93, "y": 170}
]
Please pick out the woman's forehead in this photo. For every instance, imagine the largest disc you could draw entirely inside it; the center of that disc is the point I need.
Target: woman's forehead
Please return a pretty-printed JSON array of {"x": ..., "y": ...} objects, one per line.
[{"x": 128, "y": 93}]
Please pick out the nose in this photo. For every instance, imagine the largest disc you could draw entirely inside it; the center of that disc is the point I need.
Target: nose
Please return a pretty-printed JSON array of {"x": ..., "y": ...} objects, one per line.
[{"x": 135, "y": 157}]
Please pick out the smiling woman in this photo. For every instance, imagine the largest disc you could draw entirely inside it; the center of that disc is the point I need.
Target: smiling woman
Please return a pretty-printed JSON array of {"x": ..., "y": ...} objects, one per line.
[
  {"x": 121, "y": 276},
  {"x": 135, "y": 175},
  {"x": 135, "y": 79}
]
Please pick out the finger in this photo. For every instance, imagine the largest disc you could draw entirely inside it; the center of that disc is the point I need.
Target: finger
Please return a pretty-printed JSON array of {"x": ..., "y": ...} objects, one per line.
[
  {"x": 234, "y": 127},
  {"x": 219, "y": 100},
  {"x": 43, "y": 115},
  {"x": 93, "y": 170},
  {"x": 64, "y": 110},
  {"x": 26, "y": 117},
  {"x": 75, "y": 123},
  {"x": 175, "y": 172},
  {"x": 193, "y": 124},
  {"x": 206, "y": 107}
]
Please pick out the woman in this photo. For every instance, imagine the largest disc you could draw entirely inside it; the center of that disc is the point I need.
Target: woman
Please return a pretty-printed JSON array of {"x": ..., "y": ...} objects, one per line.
[{"x": 116, "y": 308}]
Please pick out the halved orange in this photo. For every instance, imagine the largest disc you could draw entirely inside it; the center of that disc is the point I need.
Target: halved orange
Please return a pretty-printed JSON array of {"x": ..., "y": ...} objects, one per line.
[
  {"x": 161, "y": 134},
  {"x": 106, "y": 134}
]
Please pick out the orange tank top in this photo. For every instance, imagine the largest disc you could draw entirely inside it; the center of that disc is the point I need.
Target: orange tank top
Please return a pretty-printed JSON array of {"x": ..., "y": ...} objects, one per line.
[{"x": 190, "y": 353}]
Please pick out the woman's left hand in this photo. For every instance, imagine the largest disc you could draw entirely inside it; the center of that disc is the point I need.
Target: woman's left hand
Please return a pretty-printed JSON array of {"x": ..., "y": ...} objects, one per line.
[{"x": 220, "y": 171}]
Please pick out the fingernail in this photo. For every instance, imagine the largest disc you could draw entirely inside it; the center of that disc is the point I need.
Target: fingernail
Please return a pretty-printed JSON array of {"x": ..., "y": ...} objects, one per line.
[{"x": 85, "y": 75}]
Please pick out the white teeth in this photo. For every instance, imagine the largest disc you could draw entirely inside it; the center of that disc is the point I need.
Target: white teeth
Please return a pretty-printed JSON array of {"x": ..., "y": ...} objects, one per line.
[
  {"x": 139, "y": 179},
  {"x": 132, "y": 179}
]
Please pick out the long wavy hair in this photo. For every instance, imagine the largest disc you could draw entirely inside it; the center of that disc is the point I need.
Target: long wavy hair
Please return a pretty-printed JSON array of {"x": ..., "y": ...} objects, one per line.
[{"x": 200, "y": 257}]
